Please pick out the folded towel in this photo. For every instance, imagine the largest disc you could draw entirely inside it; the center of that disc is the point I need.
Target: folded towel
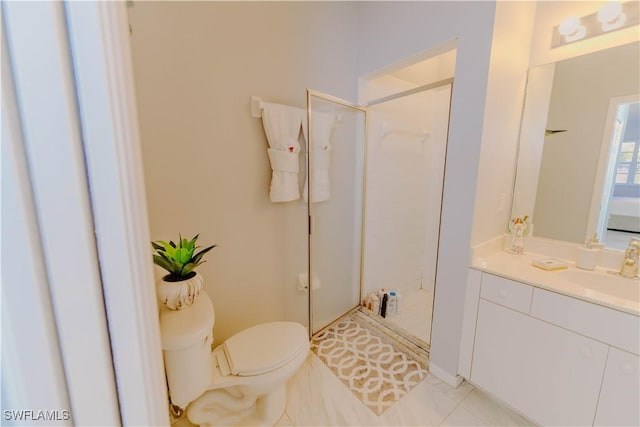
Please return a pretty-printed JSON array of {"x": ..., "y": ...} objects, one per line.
[
  {"x": 282, "y": 127},
  {"x": 320, "y": 141}
]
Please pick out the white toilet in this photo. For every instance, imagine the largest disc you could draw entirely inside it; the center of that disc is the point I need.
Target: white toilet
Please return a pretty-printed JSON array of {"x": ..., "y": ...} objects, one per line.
[{"x": 240, "y": 382}]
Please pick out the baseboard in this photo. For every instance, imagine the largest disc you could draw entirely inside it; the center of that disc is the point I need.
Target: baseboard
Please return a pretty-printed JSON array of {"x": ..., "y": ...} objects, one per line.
[{"x": 453, "y": 380}]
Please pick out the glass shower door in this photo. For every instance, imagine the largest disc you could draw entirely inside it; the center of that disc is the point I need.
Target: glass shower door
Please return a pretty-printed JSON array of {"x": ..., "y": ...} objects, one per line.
[{"x": 334, "y": 191}]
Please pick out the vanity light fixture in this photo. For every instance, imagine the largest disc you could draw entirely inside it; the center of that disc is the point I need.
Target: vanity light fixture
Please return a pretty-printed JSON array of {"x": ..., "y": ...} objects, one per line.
[{"x": 611, "y": 16}]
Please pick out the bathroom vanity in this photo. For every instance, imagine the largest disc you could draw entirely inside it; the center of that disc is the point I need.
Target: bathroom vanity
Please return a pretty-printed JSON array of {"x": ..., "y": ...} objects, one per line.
[{"x": 561, "y": 347}]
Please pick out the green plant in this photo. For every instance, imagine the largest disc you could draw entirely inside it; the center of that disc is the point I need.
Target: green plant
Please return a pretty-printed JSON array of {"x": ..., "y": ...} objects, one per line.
[{"x": 179, "y": 260}]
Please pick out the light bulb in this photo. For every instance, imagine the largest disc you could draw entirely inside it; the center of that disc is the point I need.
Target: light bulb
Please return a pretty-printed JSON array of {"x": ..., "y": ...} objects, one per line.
[
  {"x": 571, "y": 29},
  {"x": 611, "y": 16},
  {"x": 569, "y": 26},
  {"x": 609, "y": 11}
]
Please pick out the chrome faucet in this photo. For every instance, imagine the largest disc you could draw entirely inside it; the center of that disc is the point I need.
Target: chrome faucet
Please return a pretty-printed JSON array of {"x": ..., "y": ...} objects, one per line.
[{"x": 629, "y": 266}]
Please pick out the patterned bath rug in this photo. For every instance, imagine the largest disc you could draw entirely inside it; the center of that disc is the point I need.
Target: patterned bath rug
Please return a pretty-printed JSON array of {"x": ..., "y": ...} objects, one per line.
[{"x": 373, "y": 369}]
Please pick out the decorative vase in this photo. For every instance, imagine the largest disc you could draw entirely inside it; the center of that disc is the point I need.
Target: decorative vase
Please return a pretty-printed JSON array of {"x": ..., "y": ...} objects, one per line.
[
  {"x": 518, "y": 227},
  {"x": 179, "y": 295}
]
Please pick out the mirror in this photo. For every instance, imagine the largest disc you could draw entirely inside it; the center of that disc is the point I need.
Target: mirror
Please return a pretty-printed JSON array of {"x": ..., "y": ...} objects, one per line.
[{"x": 578, "y": 170}]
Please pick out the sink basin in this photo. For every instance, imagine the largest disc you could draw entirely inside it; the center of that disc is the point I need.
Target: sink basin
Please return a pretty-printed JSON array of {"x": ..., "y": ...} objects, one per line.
[{"x": 609, "y": 284}]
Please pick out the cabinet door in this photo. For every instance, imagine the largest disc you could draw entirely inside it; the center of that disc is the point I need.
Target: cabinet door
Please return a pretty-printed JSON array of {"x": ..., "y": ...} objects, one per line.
[
  {"x": 549, "y": 374},
  {"x": 619, "y": 403}
]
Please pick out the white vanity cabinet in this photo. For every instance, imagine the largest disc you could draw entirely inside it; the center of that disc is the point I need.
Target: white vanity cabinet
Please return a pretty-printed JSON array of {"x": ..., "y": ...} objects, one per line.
[
  {"x": 619, "y": 403},
  {"x": 548, "y": 373},
  {"x": 522, "y": 347}
]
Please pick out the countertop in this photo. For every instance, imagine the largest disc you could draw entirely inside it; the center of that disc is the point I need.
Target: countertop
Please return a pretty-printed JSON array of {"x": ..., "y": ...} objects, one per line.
[{"x": 596, "y": 286}]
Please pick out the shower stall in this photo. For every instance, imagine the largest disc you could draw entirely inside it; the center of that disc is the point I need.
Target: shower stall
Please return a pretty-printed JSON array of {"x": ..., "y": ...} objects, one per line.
[
  {"x": 374, "y": 202},
  {"x": 405, "y": 176}
]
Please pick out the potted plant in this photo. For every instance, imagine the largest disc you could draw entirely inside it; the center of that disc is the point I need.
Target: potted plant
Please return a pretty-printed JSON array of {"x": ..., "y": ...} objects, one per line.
[{"x": 179, "y": 288}]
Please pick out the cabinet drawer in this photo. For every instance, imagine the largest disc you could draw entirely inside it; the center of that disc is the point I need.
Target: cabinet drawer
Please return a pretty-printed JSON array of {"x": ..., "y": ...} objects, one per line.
[
  {"x": 506, "y": 292},
  {"x": 613, "y": 327}
]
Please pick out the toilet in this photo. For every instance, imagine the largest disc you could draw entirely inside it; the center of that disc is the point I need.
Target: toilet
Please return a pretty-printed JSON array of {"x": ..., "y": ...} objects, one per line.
[{"x": 243, "y": 380}]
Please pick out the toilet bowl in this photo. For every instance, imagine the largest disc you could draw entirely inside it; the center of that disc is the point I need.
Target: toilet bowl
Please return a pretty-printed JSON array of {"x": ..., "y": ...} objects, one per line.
[{"x": 240, "y": 382}]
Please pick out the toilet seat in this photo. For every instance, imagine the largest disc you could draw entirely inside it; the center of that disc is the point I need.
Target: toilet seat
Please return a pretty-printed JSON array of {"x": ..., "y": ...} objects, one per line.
[{"x": 264, "y": 348}]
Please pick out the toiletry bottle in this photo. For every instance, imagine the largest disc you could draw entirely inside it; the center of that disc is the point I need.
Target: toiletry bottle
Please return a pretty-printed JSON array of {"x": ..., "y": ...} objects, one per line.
[
  {"x": 375, "y": 303},
  {"x": 587, "y": 257},
  {"x": 383, "y": 305},
  {"x": 381, "y": 293},
  {"x": 367, "y": 303},
  {"x": 392, "y": 304},
  {"x": 398, "y": 302}
]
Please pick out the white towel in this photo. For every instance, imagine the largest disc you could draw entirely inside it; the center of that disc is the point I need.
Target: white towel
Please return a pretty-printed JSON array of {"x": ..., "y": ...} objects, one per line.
[
  {"x": 322, "y": 127},
  {"x": 282, "y": 127}
]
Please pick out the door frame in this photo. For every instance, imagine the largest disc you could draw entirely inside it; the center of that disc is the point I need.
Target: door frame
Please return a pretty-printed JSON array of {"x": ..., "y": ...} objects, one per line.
[
  {"x": 100, "y": 42},
  {"x": 595, "y": 223}
]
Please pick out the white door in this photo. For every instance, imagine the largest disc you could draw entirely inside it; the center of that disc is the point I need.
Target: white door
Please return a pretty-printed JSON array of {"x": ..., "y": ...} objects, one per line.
[
  {"x": 32, "y": 373},
  {"x": 87, "y": 338}
]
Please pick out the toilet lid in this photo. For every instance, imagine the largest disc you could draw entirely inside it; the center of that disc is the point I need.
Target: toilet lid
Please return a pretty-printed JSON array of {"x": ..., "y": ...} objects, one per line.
[{"x": 264, "y": 348}]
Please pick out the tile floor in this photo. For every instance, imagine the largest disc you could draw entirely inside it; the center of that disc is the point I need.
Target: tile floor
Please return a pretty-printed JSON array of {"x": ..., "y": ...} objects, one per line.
[
  {"x": 316, "y": 397},
  {"x": 415, "y": 314}
]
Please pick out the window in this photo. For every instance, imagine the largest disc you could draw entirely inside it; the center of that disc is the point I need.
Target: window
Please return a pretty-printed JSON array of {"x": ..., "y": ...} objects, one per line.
[{"x": 628, "y": 167}]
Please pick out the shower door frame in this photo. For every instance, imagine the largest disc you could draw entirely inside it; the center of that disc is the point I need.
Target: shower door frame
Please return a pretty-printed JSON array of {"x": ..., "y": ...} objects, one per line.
[
  {"x": 440, "y": 83},
  {"x": 363, "y": 157}
]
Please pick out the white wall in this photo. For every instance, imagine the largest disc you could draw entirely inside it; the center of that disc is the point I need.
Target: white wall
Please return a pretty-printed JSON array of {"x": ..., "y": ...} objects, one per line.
[
  {"x": 582, "y": 89},
  {"x": 382, "y": 86},
  {"x": 532, "y": 134},
  {"x": 431, "y": 70},
  {"x": 390, "y": 33},
  {"x": 503, "y": 110},
  {"x": 206, "y": 168}
]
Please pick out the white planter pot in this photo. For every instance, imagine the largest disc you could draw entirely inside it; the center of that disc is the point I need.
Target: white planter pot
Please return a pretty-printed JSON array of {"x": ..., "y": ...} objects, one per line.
[{"x": 179, "y": 295}]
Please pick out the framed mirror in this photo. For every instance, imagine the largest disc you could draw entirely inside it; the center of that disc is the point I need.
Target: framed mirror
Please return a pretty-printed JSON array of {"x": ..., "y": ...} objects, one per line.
[{"x": 578, "y": 170}]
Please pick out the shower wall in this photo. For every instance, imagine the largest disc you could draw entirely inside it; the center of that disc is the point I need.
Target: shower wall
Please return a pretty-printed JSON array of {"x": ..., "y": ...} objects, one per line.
[{"x": 405, "y": 169}]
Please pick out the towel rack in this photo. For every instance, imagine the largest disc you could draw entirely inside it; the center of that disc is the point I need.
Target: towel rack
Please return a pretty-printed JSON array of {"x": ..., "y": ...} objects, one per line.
[{"x": 257, "y": 105}]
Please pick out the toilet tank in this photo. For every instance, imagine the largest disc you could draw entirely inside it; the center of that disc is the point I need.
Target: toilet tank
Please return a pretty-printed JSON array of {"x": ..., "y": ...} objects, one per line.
[{"x": 187, "y": 336}]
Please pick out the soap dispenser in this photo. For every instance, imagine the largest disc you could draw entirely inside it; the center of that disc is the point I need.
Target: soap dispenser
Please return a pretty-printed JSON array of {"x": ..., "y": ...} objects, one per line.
[{"x": 587, "y": 258}]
